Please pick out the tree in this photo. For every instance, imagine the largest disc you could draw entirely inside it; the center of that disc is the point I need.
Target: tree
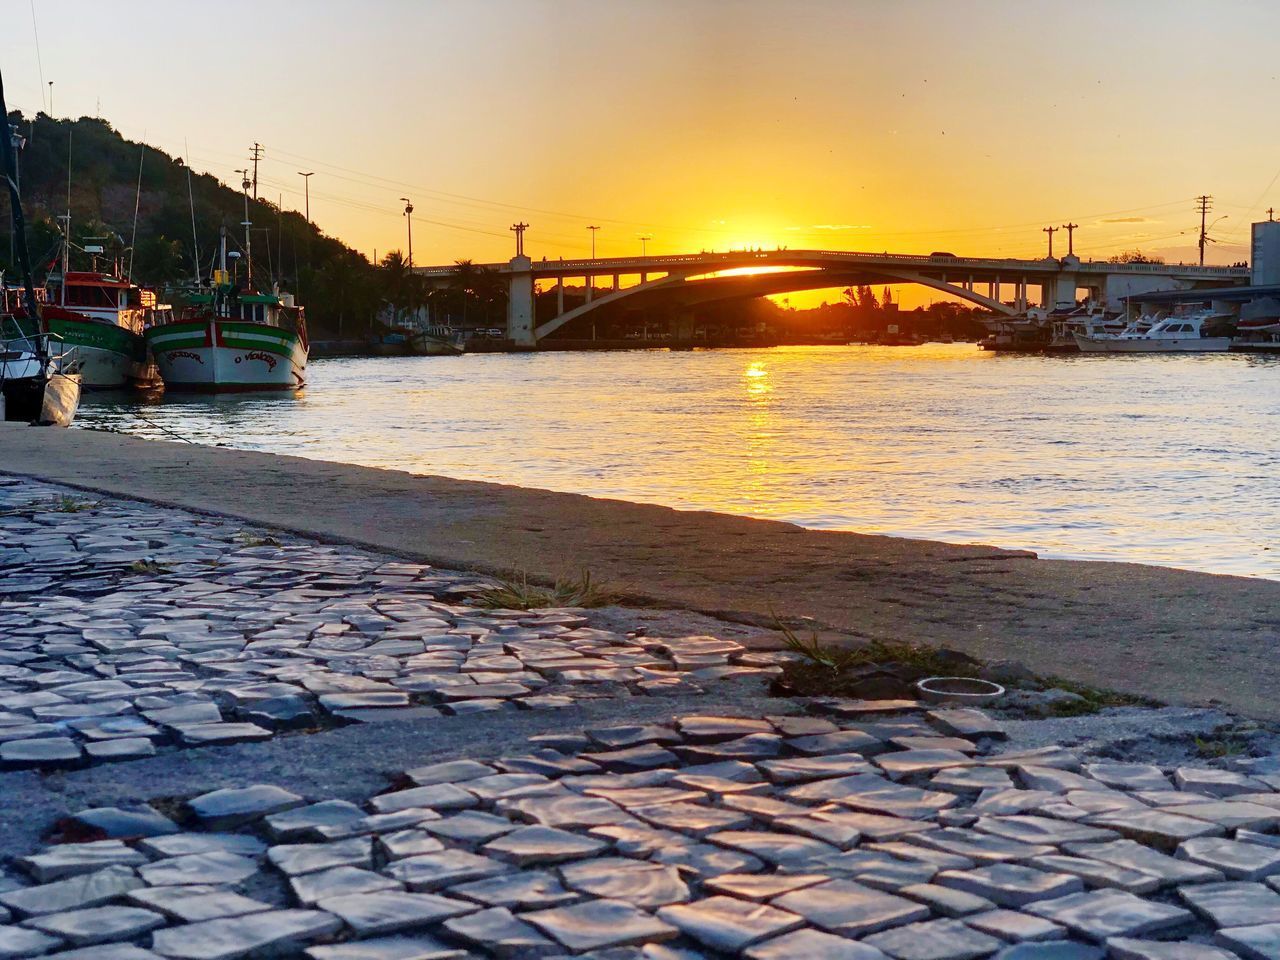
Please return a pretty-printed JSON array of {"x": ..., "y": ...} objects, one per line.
[{"x": 1134, "y": 256}]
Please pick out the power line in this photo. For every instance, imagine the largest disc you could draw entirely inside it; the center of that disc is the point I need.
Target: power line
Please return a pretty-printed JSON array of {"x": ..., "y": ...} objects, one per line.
[{"x": 39, "y": 62}]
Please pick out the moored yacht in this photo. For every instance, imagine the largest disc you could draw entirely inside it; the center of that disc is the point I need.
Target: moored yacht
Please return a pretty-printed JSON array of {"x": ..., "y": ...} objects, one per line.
[{"x": 1172, "y": 334}]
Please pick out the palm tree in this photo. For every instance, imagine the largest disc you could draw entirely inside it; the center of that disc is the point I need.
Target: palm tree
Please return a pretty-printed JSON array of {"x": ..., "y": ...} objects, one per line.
[
  {"x": 490, "y": 290},
  {"x": 394, "y": 279},
  {"x": 463, "y": 283}
]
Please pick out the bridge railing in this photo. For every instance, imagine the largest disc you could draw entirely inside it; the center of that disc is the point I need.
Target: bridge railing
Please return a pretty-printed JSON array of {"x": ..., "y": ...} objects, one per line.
[{"x": 735, "y": 259}]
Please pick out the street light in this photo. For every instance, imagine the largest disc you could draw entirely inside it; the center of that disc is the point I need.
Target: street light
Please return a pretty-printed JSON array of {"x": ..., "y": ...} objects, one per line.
[
  {"x": 408, "y": 212},
  {"x": 306, "y": 188},
  {"x": 1205, "y": 238},
  {"x": 593, "y": 230},
  {"x": 643, "y": 240}
]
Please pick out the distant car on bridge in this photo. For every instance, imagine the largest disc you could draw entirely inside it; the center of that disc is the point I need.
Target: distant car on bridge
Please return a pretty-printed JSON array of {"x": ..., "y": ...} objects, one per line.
[{"x": 942, "y": 255}]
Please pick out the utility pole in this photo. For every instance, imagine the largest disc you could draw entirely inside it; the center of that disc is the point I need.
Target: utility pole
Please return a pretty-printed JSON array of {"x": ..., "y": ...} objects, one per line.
[
  {"x": 1271, "y": 213},
  {"x": 1071, "y": 237},
  {"x": 257, "y": 155},
  {"x": 593, "y": 230},
  {"x": 306, "y": 190},
  {"x": 1050, "y": 231},
  {"x": 644, "y": 240},
  {"x": 1204, "y": 205},
  {"x": 51, "y": 98},
  {"x": 408, "y": 212},
  {"x": 518, "y": 229}
]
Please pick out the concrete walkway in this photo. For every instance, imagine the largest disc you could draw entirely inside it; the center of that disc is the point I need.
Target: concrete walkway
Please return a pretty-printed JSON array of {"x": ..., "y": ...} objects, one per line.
[{"x": 1179, "y": 636}]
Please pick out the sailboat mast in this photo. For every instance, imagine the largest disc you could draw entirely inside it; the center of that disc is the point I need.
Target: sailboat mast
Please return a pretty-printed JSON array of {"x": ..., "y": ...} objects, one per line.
[
  {"x": 20, "y": 238},
  {"x": 66, "y": 237}
]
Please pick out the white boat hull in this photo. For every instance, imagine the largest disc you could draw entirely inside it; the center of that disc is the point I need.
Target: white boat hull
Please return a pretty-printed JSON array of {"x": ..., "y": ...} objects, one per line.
[
  {"x": 219, "y": 356},
  {"x": 1137, "y": 345}
]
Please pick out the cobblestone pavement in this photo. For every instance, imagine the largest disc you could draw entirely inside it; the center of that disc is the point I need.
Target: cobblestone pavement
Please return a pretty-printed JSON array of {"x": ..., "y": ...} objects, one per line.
[
  {"x": 127, "y": 628},
  {"x": 861, "y": 831}
]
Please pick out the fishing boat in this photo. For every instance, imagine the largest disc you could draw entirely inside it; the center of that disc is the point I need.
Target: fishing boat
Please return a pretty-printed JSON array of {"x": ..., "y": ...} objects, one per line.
[
  {"x": 1173, "y": 334},
  {"x": 99, "y": 314},
  {"x": 436, "y": 340},
  {"x": 39, "y": 379},
  {"x": 225, "y": 339}
]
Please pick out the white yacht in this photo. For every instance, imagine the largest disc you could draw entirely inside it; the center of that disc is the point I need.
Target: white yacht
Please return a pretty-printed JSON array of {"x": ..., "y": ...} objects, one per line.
[{"x": 1174, "y": 334}]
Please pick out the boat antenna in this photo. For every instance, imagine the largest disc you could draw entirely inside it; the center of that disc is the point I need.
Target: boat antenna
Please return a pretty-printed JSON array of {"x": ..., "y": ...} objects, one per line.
[
  {"x": 20, "y": 241},
  {"x": 137, "y": 201},
  {"x": 191, "y": 199}
]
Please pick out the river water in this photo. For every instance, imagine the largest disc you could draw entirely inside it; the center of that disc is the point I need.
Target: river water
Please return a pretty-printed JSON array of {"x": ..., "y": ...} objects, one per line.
[{"x": 1166, "y": 460}]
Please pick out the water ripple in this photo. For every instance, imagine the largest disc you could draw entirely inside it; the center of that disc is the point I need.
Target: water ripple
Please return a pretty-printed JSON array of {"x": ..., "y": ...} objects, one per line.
[{"x": 1165, "y": 460}]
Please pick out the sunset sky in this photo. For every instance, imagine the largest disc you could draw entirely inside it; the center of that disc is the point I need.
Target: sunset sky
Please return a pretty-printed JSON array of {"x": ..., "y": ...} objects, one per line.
[{"x": 906, "y": 126}]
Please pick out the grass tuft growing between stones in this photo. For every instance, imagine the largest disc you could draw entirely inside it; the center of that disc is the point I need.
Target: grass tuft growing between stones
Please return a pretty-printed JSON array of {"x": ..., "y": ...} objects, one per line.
[
  {"x": 890, "y": 669},
  {"x": 1219, "y": 749},
  {"x": 875, "y": 669},
  {"x": 1093, "y": 699},
  {"x": 147, "y": 566},
  {"x": 567, "y": 592},
  {"x": 70, "y": 504},
  {"x": 873, "y": 653},
  {"x": 253, "y": 540}
]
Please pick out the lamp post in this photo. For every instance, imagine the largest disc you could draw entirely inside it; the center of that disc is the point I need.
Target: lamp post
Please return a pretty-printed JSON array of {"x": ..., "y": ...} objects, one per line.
[
  {"x": 408, "y": 212},
  {"x": 1204, "y": 235},
  {"x": 645, "y": 238},
  {"x": 306, "y": 191},
  {"x": 593, "y": 230}
]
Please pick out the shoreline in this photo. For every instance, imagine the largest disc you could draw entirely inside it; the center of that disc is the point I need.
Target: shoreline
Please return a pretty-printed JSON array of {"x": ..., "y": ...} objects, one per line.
[{"x": 1175, "y": 635}]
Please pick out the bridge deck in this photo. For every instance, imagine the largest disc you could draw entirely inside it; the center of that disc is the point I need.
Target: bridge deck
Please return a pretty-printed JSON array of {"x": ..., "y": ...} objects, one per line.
[{"x": 694, "y": 264}]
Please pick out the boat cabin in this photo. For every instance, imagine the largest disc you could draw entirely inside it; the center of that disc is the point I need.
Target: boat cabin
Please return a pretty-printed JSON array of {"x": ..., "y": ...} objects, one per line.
[
  {"x": 100, "y": 296},
  {"x": 225, "y": 302}
]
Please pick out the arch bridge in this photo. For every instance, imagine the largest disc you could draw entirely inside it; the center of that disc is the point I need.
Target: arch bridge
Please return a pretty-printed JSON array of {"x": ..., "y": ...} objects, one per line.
[{"x": 685, "y": 281}]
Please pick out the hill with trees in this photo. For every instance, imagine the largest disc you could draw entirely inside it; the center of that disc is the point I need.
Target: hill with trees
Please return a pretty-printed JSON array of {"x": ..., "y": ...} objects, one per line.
[{"x": 342, "y": 291}]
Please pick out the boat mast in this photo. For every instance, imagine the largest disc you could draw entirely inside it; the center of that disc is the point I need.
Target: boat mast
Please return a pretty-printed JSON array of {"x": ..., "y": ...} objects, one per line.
[
  {"x": 222, "y": 268},
  {"x": 66, "y": 218},
  {"x": 20, "y": 238},
  {"x": 248, "y": 243}
]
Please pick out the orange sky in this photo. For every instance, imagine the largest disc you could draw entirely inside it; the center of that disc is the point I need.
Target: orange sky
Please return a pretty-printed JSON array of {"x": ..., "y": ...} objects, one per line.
[{"x": 851, "y": 124}]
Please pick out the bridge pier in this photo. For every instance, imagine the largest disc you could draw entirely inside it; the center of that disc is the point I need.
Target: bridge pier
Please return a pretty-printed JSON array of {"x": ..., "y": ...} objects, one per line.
[
  {"x": 520, "y": 303},
  {"x": 682, "y": 326}
]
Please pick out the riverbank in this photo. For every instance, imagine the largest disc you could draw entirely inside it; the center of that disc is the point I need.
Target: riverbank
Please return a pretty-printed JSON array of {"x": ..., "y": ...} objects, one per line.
[{"x": 1177, "y": 636}]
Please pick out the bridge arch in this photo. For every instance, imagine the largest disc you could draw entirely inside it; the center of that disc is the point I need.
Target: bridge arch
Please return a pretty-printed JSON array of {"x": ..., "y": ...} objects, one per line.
[{"x": 681, "y": 290}]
